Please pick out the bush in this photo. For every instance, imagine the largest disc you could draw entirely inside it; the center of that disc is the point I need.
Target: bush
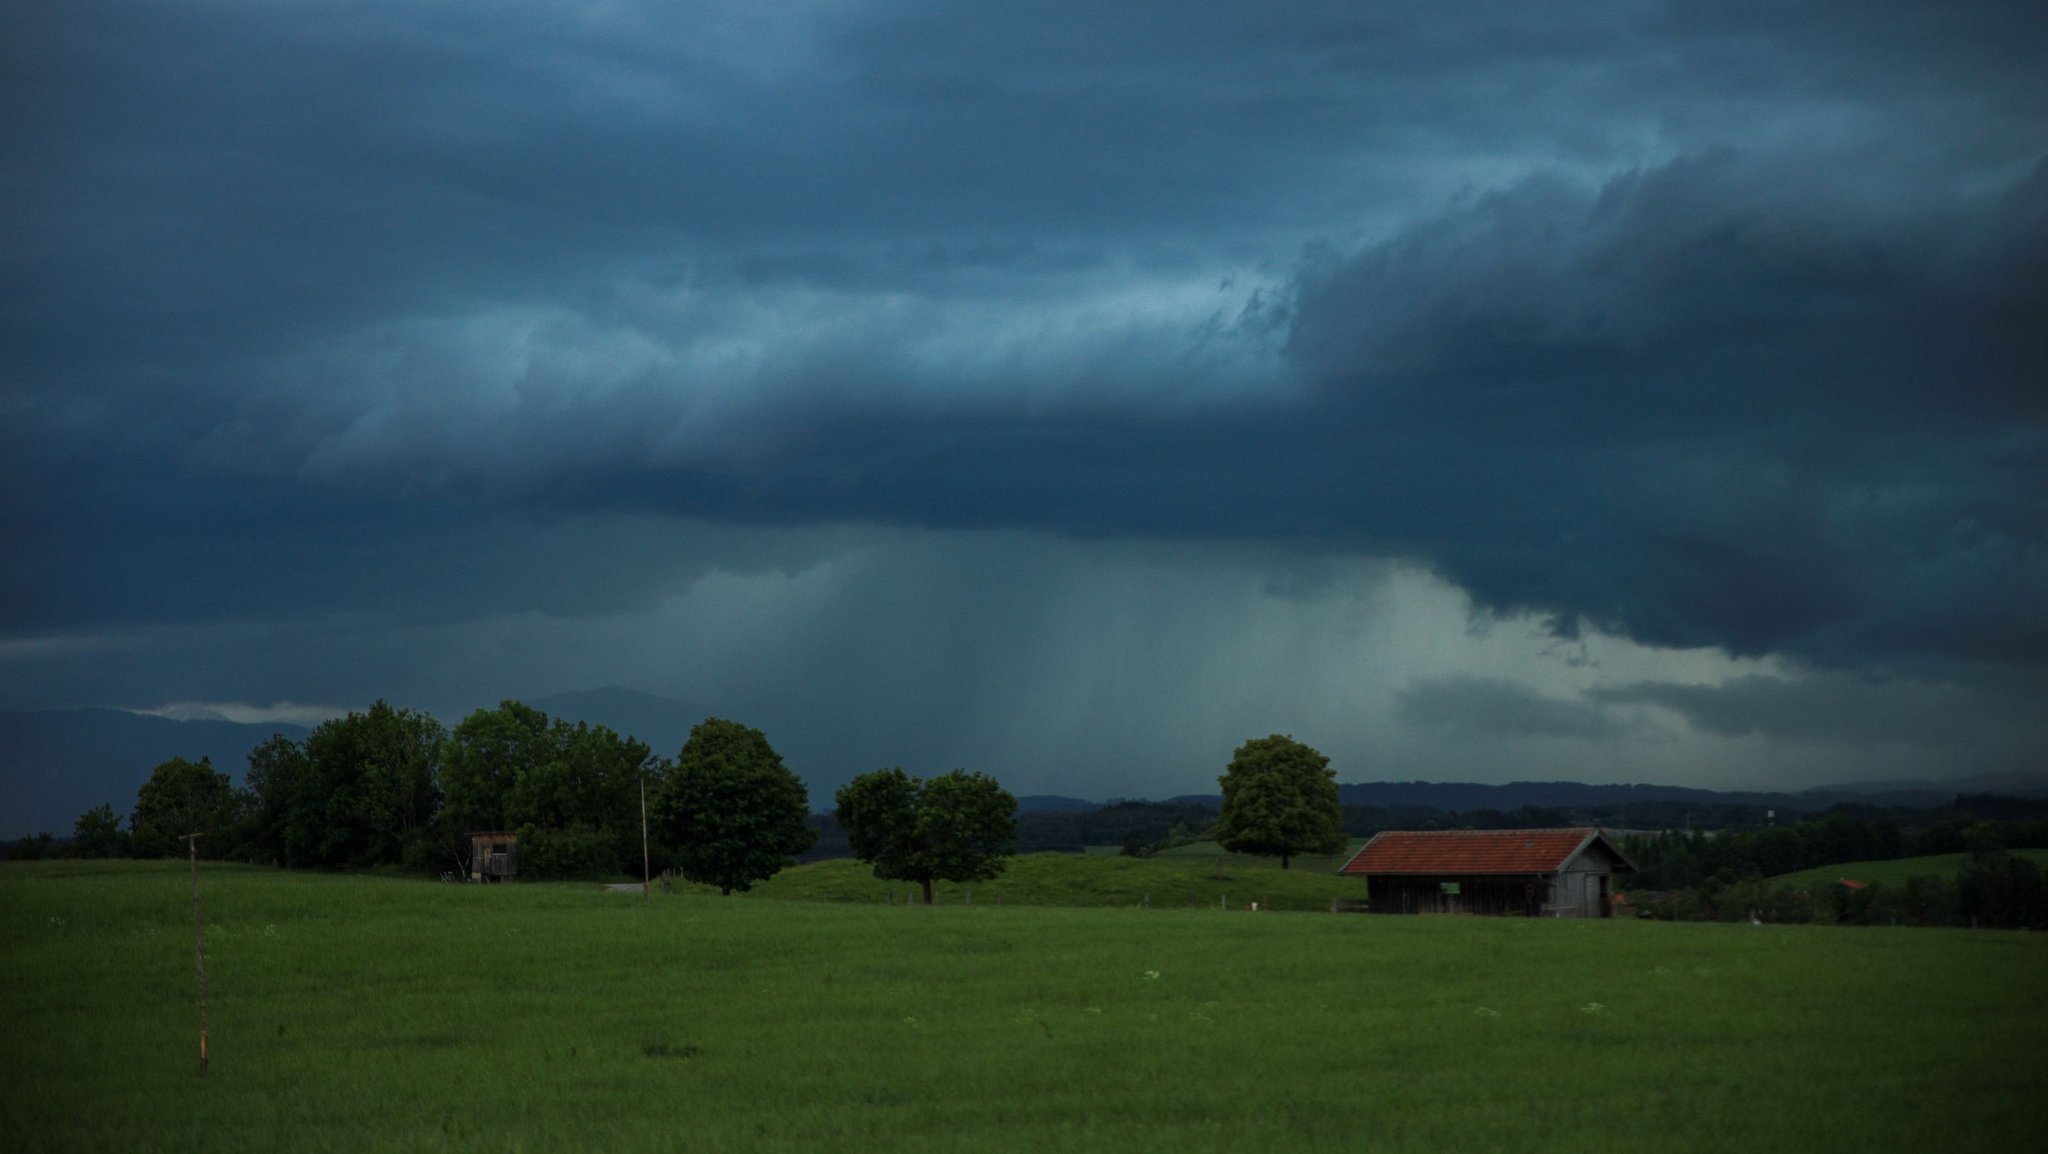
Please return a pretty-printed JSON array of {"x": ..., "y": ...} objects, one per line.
[
  {"x": 1928, "y": 901},
  {"x": 1853, "y": 906},
  {"x": 576, "y": 853},
  {"x": 2003, "y": 891}
]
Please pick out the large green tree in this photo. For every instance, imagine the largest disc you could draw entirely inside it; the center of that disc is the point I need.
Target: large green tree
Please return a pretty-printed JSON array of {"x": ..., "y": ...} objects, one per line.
[
  {"x": 958, "y": 827},
  {"x": 277, "y": 782},
  {"x": 1279, "y": 800},
  {"x": 370, "y": 791},
  {"x": 733, "y": 813},
  {"x": 572, "y": 791},
  {"x": 180, "y": 798},
  {"x": 485, "y": 755}
]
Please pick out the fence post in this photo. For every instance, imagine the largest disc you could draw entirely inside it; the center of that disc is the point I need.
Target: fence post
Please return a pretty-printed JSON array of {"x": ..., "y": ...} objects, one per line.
[
  {"x": 646, "y": 863},
  {"x": 198, "y": 947}
]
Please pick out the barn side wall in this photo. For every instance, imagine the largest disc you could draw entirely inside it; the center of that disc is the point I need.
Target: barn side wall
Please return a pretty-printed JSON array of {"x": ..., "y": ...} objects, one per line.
[
  {"x": 1513, "y": 894},
  {"x": 1580, "y": 892}
]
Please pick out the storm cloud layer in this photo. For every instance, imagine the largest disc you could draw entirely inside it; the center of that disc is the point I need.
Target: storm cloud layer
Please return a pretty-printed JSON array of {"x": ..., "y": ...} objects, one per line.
[{"x": 1706, "y": 328}]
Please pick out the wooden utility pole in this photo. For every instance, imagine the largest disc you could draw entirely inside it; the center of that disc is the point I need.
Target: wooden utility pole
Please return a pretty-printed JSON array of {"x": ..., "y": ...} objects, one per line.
[
  {"x": 645, "y": 868},
  {"x": 198, "y": 946}
]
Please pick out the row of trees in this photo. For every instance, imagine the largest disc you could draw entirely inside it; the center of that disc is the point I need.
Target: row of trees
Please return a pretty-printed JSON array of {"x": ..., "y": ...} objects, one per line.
[
  {"x": 1673, "y": 860},
  {"x": 392, "y": 787}
]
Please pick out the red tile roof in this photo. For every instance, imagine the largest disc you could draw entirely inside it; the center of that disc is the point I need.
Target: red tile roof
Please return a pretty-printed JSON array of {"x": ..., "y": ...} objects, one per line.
[{"x": 1473, "y": 851}]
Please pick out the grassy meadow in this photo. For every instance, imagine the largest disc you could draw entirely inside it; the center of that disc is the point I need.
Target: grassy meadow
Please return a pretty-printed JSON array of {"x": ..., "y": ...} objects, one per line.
[{"x": 355, "y": 1013}]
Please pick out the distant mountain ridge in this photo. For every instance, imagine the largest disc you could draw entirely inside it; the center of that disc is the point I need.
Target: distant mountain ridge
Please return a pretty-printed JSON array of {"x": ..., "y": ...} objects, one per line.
[
  {"x": 56, "y": 764},
  {"x": 1450, "y": 796}
]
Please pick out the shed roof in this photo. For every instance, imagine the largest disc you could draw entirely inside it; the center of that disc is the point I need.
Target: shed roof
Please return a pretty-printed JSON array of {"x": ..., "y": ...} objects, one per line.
[{"x": 1477, "y": 851}]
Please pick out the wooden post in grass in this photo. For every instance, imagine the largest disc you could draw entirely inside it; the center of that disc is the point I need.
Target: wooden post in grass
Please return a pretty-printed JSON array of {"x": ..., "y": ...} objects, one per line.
[
  {"x": 198, "y": 946},
  {"x": 645, "y": 868}
]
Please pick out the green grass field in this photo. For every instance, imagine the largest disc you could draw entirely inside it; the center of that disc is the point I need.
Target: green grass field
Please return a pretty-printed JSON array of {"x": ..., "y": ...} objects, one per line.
[
  {"x": 1893, "y": 872},
  {"x": 380, "y": 1014}
]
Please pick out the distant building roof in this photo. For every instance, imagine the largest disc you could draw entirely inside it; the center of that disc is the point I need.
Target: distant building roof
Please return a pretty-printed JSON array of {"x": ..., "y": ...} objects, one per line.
[
  {"x": 1851, "y": 883},
  {"x": 1477, "y": 851}
]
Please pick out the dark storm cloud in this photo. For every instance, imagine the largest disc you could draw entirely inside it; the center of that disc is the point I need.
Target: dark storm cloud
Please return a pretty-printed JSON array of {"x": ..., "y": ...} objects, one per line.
[
  {"x": 1492, "y": 706},
  {"x": 1843, "y": 709},
  {"x": 1719, "y": 402},
  {"x": 1703, "y": 326}
]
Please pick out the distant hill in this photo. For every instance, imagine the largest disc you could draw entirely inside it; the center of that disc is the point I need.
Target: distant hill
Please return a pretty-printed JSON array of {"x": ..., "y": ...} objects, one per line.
[
  {"x": 663, "y": 723},
  {"x": 56, "y": 764},
  {"x": 1054, "y": 803}
]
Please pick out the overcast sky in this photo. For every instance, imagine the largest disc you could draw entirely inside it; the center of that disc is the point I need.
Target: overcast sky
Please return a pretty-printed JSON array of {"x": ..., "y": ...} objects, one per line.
[{"x": 1071, "y": 391}]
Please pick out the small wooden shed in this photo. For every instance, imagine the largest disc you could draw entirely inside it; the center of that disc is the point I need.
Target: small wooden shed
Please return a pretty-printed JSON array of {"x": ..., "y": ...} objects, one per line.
[
  {"x": 493, "y": 856},
  {"x": 1565, "y": 873}
]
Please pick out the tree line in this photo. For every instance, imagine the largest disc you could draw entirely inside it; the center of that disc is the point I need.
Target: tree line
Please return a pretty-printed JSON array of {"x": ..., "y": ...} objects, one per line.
[
  {"x": 392, "y": 788},
  {"x": 1728, "y": 877}
]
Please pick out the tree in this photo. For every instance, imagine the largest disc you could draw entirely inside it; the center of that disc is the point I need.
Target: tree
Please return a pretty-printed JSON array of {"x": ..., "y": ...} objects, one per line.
[
  {"x": 734, "y": 813},
  {"x": 957, "y": 827},
  {"x": 370, "y": 791},
  {"x": 1279, "y": 800},
  {"x": 180, "y": 798},
  {"x": 576, "y": 786},
  {"x": 278, "y": 772},
  {"x": 97, "y": 833},
  {"x": 484, "y": 757}
]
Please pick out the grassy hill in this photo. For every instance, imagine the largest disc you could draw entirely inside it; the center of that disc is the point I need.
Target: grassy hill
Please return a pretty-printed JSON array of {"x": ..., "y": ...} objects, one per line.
[
  {"x": 371, "y": 1014},
  {"x": 1893, "y": 872},
  {"x": 1190, "y": 877}
]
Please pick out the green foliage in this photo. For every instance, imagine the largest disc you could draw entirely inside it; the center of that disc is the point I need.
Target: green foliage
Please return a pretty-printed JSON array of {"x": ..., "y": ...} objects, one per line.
[
  {"x": 184, "y": 797},
  {"x": 2003, "y": 890},
  {"x": 33, "y": 847},
  {"x": 1279, "y": 800},
  {"x": 97, "y": 834},
  {"x": 1894, "y": 873},
  {"x": 956, "y": 827},
  {"x": 367, "y": 790},
  {"x": 573, "y": 852},
  {"x": 484, "y": 758},
  {"x": 367, "y": 1014},
  {"x": 279, "y": 785},
  {"x": 510, "y": 768},
  {"x": 1672, "y": 859},
  {"x": 733, "y": 813},
  {"x": 1929, "y": 901}
]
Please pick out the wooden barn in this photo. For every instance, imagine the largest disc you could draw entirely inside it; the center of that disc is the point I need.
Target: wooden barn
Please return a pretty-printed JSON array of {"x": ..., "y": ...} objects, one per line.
[
  {"x": 493, "y": 856},
  {"x": 1564, "y": 873}
]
